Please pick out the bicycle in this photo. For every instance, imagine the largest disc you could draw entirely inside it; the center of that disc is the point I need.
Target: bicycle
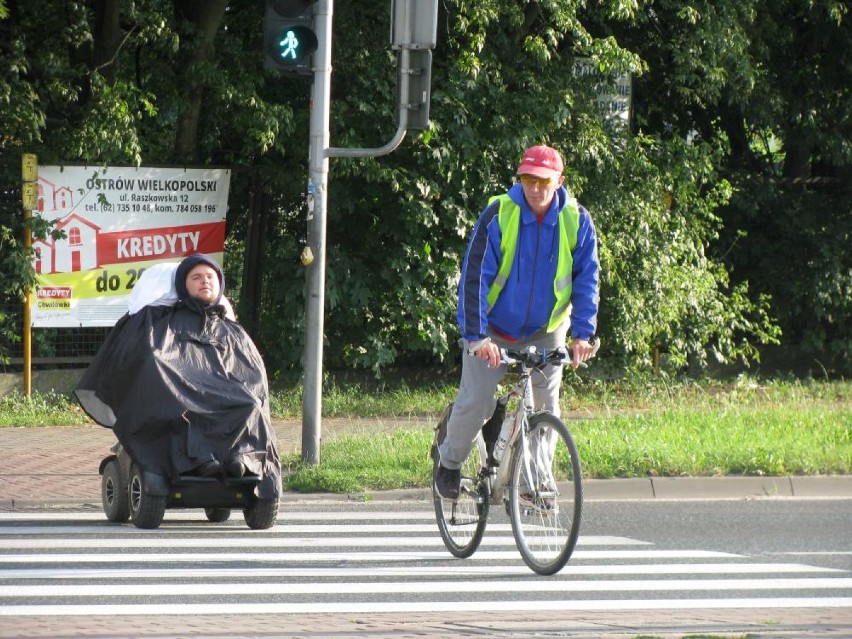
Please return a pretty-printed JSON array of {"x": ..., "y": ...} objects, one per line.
[{"x": 538, "y": 477}]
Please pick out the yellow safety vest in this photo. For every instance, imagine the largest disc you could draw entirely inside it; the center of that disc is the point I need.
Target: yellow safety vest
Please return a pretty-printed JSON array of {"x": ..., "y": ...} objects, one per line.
[{"x": 509, "y": 219}]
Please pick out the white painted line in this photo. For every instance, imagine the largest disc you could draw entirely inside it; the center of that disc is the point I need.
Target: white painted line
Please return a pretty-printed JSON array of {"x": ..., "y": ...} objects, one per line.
[
  {"x": 419, "y": 606},
  {"x": 96, "y": 516},
  {"x": 374, "y": 587},
  {"x": 350, "y": 557},
  {"x": 372, "y": 572},
  {"x": 318, "y": 541},
  {"x": 197, "y": 514},
  {"x": 240, "y": 529}
]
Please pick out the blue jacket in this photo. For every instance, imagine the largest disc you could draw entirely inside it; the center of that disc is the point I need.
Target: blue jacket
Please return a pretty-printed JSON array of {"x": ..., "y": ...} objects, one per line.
[{"x": 525, "y": 304}]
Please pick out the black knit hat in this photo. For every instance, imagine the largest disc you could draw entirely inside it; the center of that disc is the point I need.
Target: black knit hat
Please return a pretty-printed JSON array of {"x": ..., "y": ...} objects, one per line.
[{"x": 190, "y": 262}]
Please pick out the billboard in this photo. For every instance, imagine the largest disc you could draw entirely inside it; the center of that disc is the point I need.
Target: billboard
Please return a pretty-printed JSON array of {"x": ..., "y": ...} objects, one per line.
[{"x": 117, "y": 222}]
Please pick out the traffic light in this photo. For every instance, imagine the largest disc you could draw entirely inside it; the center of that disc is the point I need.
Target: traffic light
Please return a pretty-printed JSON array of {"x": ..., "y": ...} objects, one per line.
[
  {"x": 419, "y": 72},
  {"x": 414, "y": 26},
  {"x": 289, "y": 38}
]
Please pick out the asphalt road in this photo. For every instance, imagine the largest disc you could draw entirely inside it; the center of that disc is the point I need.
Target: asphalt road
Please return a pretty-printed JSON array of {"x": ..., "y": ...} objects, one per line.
[
  {"x": 337, "y": 568},
  {"x": 743, "y": 526}
]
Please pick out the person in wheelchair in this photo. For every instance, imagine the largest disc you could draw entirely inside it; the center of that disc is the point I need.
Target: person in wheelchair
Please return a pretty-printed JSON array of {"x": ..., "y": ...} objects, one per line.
[{"x": 182, "y": 384}]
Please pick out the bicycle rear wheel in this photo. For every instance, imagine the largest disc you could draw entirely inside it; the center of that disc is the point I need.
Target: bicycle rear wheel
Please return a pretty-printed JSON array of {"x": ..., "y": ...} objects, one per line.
[
  {"x": 546, "y": 499},
  {"x": 461, "y": 522}
]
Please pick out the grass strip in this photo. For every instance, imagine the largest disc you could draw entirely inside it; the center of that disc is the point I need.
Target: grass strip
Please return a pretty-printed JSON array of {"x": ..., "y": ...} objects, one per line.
[
  {"x": 635, "y": 428},
  {"x": 666, "y": 444}
]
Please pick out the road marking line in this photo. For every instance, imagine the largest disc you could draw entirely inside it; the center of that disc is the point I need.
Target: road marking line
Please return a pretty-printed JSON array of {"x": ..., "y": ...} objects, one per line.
[
  {"x": 375, "y": 587},
  {"x": 372, "y": 572},
  {"x": 351, "y": 557},
  {"x": 279, "y": 542},
  {"x": 418, "y": 606}
]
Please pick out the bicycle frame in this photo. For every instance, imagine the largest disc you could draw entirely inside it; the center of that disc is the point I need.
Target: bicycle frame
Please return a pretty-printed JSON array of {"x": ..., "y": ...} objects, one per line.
[
  {"x": 544, "y": 514},
  {"x": 498, "y": 476}
]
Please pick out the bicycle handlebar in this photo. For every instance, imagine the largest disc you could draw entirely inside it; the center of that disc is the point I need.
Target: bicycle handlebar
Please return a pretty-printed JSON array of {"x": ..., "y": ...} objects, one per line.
[{"x": 534, "y": 358}]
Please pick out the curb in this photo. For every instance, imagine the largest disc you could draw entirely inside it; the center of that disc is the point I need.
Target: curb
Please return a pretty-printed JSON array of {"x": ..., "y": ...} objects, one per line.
[{"x": 631, "y": 489}]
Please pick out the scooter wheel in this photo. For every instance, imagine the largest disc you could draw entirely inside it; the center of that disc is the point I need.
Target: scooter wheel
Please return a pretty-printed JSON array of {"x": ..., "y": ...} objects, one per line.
[
  {"x": 114, "y": 496},
  {"x": 146, "y": 510}
]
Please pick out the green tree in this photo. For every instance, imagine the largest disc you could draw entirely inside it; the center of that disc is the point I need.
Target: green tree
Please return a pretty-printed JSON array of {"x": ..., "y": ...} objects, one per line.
[
  {"x": 108, "y": 82},
  {"x": 398, "y": 225},
  {"x": 165, "y": 81},
  {"x": 773, "y": 81}
]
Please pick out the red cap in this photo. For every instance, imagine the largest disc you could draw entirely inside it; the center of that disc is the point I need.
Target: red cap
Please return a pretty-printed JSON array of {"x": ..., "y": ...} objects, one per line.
[{"x": 541, "y": 161}]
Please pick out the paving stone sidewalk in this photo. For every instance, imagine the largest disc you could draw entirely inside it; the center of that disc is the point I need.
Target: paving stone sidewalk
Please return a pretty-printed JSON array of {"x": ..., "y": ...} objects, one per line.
[
  {"x": 827, "y": 623},
  {"x": 49, "y": 466},
  {"x": 59, "y": 465}
]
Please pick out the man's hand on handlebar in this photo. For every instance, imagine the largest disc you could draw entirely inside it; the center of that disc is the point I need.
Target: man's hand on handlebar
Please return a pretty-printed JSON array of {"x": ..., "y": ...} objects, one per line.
[
  {"x": 486, "y": 350},
  {"x": 582, "y": 351}
]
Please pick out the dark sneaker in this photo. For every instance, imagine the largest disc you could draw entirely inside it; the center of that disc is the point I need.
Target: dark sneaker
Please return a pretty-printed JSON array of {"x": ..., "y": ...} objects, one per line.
[{"x": 447, "y": 482}]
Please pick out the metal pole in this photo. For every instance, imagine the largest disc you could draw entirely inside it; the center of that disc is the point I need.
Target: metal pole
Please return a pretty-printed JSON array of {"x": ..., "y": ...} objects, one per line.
[
  {"x": 402, "y": 119},
  {"x": 29, "y": 193},
  {"x": 27, "y": 315},
  {"x": 314, "y": 255}
]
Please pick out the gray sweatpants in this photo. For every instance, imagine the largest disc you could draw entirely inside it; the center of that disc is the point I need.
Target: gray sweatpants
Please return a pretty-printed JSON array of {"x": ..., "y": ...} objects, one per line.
[{"x": 475, "y": 400}]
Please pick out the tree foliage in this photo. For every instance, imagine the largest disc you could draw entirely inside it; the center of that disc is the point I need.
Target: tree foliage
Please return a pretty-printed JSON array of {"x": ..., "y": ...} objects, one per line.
[
  {"x": 773, "y": 80},
  {"x": 715, "y": 86}
]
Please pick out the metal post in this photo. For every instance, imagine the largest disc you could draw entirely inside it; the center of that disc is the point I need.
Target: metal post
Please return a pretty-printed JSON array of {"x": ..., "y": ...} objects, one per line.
[
  {"x": 29, "y": 196},
  {"x": 314, "y": 256}
]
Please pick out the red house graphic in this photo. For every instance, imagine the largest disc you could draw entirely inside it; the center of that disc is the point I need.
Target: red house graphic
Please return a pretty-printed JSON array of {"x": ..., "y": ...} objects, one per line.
[
  {"x": 77, "y": 252},
  {"x": 54, "y": 198}
]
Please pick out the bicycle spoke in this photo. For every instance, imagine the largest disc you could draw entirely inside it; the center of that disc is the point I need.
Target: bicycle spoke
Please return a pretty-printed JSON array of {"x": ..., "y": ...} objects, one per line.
[
  {"x": 461, "y": 522},
  {"x": 546, "y": 502}
]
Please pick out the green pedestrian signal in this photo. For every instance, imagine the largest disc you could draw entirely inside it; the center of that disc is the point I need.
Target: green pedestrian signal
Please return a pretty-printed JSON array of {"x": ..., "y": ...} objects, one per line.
[
  {"x": 289, "y": 37},
  {"x": 294, "y": 43}
]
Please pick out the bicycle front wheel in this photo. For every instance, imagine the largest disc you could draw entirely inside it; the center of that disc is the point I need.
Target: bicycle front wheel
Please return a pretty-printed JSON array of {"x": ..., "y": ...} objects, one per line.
[
  {"x": 461, "y": 522},
  {"x": 546, "y": 494}
]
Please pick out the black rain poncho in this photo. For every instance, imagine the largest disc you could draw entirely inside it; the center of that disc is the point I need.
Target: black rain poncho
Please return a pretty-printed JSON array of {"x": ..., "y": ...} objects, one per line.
[{"x": 181, "y": 385}]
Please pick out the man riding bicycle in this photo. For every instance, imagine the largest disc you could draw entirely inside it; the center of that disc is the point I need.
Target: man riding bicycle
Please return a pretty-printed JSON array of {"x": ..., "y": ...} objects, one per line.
[{"x": 530, "y": 274}]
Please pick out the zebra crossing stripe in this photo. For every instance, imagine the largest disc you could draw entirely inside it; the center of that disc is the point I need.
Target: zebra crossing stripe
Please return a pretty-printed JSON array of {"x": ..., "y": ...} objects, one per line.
[
  {"x": 526, "y": 605},
  {"x": 317, "y": 539},
  {"x": 291, "y": 569},
  {"x": 374, "y": 587},
  {"x": 372, "y": 572},
  {"x": 345, "y": 556}
]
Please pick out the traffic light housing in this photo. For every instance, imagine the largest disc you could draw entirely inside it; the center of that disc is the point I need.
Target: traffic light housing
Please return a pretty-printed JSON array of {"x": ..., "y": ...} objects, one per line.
[
  {"x": 414, "y": 26},
  {"x": 289, "y": 40},
  {"x": 419, "y": 72}
]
